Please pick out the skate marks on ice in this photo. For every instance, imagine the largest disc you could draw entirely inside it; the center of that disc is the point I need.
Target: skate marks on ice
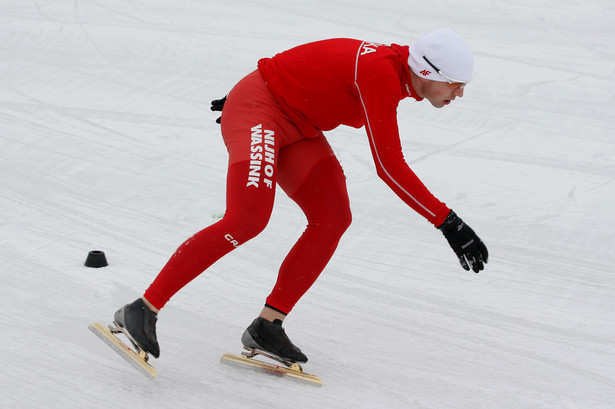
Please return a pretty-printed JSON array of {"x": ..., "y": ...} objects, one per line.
[
  {"x": 137, "y": 359},
  {"x": 292, "y": 370}
]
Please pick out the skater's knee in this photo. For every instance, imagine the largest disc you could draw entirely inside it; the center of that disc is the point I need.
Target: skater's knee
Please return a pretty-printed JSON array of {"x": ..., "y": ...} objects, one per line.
[
  {"x": 339, "y": 221},
  {"x": 331, "y": 222},
  {"x": 344, "y": 219},
  {"x": 250, "y": 230},
  {"x": 244, "y": 227}
]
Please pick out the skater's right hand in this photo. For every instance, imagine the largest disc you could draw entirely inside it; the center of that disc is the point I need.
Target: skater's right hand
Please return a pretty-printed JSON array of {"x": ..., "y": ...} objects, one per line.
[
  {"x": 470, "y": 249},
  {"x": 217, "y": 105}
]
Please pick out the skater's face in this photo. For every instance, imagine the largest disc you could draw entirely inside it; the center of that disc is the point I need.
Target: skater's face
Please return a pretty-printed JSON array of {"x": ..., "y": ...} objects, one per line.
[{"x": 440, "y": 94}]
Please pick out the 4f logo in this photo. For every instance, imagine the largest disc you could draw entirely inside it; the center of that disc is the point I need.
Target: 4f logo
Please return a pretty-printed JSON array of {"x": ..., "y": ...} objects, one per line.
[{"x": 425, "y": 72}]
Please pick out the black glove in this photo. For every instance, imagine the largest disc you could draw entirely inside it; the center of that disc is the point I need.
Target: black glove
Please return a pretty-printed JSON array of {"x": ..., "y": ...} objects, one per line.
[
  {"x": 470, "y": 249},
  {"x": 217, "y": 105}
]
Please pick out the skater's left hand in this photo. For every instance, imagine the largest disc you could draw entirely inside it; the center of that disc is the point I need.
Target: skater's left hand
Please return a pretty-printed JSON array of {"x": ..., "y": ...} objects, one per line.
[
  {"x": 469, "y": 248},
  {"x": 217, "y": 105}
]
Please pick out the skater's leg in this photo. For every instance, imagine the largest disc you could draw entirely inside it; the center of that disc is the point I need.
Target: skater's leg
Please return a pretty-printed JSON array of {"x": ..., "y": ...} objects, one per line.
[
  {"x": 253, "y": 128},
  {"x": 311, "y": 175},
  {"x": 252, "y": 132},
  {"x": 248, "y": 211}
]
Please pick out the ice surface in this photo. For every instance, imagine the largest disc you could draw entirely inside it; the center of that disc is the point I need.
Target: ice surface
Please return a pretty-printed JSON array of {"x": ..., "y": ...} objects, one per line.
[{"x": 107, "y": 142}]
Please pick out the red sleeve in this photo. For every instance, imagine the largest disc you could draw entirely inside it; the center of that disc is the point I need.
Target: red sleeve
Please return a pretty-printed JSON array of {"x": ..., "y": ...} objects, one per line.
[{"x": 378, "y": 84}]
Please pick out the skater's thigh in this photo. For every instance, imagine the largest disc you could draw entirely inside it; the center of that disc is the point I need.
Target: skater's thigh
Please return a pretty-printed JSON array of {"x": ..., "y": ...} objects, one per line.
[
  {"x": 298, "y": 161},
  {"x": 249, "y": 200},
  {"x": 253, "y": 123}
]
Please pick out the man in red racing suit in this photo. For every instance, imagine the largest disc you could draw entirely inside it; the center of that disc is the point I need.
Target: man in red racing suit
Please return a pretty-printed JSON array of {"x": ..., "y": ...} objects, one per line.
[{"x": 272, "y": 124}]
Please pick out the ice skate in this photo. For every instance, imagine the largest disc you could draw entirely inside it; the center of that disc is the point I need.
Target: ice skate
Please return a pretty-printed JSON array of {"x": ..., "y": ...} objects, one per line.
[
  {"x": 139, "y": 322},
  {"x": 136, "y": 357},
  {"x": 270, "y": 338}
]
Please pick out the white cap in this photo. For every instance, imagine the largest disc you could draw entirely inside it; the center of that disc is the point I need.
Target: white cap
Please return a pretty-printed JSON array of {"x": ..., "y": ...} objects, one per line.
[{"x": 446, "y": 51}]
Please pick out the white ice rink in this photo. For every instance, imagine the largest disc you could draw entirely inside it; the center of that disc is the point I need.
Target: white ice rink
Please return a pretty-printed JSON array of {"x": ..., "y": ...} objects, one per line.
[{"x": 107, "y": 142}]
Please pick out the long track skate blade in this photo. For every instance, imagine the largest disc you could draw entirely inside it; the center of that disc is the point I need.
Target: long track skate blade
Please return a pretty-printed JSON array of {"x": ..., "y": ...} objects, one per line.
[
  {"x": 294, "y": 371},
  {"x": 253, "y": 352},
  {"x": 139, "y": 362}
]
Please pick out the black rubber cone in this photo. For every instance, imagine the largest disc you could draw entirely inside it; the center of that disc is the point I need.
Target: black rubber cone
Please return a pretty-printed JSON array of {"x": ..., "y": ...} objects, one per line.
[{"x": 96, "y": 259}]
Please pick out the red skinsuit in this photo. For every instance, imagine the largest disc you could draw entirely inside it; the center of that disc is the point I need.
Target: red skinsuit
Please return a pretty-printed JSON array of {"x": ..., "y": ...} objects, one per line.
[{"x": 272, "y": 125}]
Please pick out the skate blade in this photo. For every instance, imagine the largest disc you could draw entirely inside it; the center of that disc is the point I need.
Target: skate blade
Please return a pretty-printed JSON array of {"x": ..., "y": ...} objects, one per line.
[
  {"x": 252, "y": 352},
  {"x": 137, "y": 359},
  {"x": 294, "y": 370}
]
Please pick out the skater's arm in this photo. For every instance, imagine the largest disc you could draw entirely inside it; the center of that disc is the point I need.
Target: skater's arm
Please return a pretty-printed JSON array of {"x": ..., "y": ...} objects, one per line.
[{"x": 379, "y": 103}]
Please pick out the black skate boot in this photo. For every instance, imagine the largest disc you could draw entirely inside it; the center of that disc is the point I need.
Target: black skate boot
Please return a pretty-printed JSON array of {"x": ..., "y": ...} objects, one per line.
[
  {"x": 140, "y": 323},
  {"x": 270, "y": 337}
]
